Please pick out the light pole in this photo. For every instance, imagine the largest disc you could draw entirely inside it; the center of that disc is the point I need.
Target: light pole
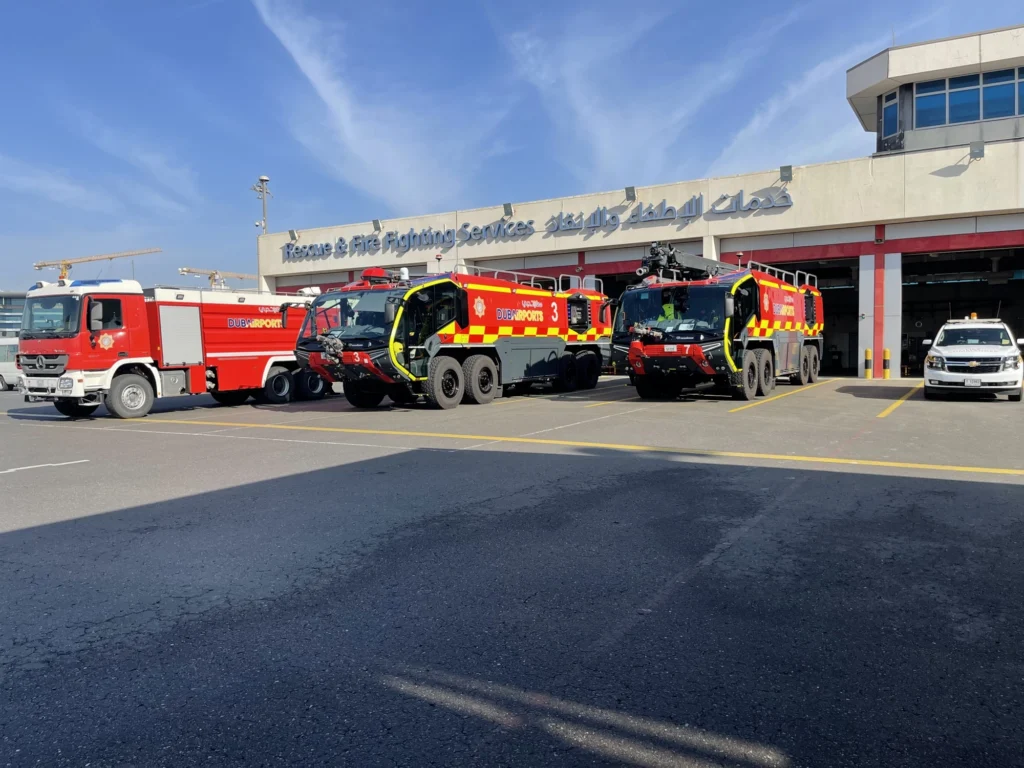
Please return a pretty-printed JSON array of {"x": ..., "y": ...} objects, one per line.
[{"x": 260, "y": 188}]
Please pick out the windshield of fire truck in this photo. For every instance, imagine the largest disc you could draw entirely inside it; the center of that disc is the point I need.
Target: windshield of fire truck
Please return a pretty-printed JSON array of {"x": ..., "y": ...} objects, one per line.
[
  {"x": 50, "y": 315},
  {"x": 354, "y": 314},
  {"x": 673, "y": 309}
]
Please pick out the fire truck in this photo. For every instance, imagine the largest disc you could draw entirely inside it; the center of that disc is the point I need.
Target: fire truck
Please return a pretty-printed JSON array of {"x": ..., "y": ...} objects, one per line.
[
  {"x": 84, "y": 343},
  {"x": 697, "y": 324},
  {"x": 456, "y": 337}
]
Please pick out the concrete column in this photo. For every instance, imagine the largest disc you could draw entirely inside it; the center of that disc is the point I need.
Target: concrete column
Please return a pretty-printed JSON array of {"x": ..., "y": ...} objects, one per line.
[
  {"x": 712, "y": 245},
  {"x": 865, "y": 309},
  {"x": 892, "y": 333}
]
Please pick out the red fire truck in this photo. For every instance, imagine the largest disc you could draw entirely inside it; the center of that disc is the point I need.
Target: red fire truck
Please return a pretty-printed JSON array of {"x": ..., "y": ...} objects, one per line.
[
  {"x": 455, "y": 337},
  {"x": 84, "y": 343},
  {"x": 697, "y": 324}
]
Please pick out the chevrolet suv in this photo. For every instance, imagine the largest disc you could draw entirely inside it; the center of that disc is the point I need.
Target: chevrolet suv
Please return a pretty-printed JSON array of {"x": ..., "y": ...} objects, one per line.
[{"x": 974, "y": 355}]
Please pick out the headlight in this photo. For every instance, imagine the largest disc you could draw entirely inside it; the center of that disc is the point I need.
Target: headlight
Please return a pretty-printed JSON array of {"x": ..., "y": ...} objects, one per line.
[
  {"x": 935, "y": 363},
  {"x": 66, "y": 383},
  {"x": 1011, "y": 363}
]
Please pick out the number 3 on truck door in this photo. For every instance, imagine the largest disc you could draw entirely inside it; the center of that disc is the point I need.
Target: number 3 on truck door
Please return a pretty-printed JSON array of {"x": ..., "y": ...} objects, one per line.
[{"x": 554, "y": 311}]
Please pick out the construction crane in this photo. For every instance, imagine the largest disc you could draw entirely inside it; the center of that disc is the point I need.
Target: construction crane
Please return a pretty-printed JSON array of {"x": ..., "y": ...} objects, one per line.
[
  {"x": 64, "y": 265},
  {"x": 217, "y": 277}
]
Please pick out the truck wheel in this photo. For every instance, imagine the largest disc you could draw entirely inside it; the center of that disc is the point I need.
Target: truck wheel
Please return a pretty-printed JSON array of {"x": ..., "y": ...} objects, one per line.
[
  {"x": 279, "y": 386},
  {"x": 568, "y": 373},
  {"x": 670, "y": 389},
  {"x": 589, "y": 369},
  {"x": 445, "y": 382},
  {"x": 74, "y": 409},
  {"x": 130, "y": 396},
  {"x": 3, "y": 384},
  {"x": 309, "y": 385},
  {"x": 1015, "y": 397},
  {"x": 646, "y": 387},
  {"x": 481, "y": 377},
  {"x": 815, "y": 365},
  {"x": 362, "y": 397},
  {"x": 801, "y": 377},
  {"x": 765, "y": 372},
  {"x": 231, "y": 397},
  {"x": 930, "y": 394},
  {"x": 747, "y": 389}
]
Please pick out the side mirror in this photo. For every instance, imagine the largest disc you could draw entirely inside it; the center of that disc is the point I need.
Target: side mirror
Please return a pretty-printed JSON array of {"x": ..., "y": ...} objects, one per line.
[
  {"x": 606, "y": 307},
  {"x": 390, "y": 310},
  {"x": 926, "y": 343},
  {"x": 730, "y": 305},
  {"x": 284, "y": 315},
  {"x": 95, "y": 316}
]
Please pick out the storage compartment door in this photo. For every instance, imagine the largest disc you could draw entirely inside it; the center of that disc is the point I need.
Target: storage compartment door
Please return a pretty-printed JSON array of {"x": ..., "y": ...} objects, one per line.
[{"x": 181, "y": 338}]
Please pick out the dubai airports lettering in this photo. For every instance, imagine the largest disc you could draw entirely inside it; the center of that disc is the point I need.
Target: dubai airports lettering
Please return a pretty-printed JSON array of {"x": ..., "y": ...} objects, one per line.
[{"x": 600, "y": 219}]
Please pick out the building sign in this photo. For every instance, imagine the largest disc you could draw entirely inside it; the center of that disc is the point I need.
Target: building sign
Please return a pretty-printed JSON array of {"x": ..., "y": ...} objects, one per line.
[{"x": 600, "y": 219}]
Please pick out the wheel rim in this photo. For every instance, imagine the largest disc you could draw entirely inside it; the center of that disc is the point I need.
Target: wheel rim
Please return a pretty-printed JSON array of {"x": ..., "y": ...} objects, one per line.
[
  {"x": 133, "y": 397},
  {"x": 485, "y": 381},
  {"x": 752, "y": 377},
  {"x": 315, "y": 385},
  {"x": 807, "y": 366},
  {"x": 449, "y": 384},
  {"x": 280, "y": 385},
  {"x": 767, "y": 374}
]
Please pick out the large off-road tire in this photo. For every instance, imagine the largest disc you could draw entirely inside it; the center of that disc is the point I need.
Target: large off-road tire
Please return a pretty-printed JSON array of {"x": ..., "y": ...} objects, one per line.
[
  {"x": 400, "y": 394},
  {"x": 589, "y": 368},
  {"x": 481, "y": 377},
  {"x": 233, "y": 397},
  {"x": 802, "y": 376},
  {"x": 765, "y": 372},
  {"x": 568, "y": 373},
  {"x": 279, "y": 387},
  {"x": 445, "y": 382},
  {"x": 747, "y": 388},
  {"x": 309, "y": 385},
  {"x": 815, "y": 366},
  {"x": 362, "y": 397},
  {"x": 647, "y": 387},
  {"x": 74, "y": 409},
  {"x": 130, "y": 396}
]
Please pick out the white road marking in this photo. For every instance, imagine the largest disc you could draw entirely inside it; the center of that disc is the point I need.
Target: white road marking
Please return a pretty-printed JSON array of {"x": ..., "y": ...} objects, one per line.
[
  {"x": 586, "y": 421},
  {"x": 43, "y": 466}
]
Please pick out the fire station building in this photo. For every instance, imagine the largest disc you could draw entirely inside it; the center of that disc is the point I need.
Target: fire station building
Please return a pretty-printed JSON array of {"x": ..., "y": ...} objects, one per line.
[{"x": 929, "y": 226}]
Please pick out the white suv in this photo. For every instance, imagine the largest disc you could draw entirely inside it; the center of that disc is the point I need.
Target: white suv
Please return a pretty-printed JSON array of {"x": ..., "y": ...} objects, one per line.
[{"x": 974, "y": 355}]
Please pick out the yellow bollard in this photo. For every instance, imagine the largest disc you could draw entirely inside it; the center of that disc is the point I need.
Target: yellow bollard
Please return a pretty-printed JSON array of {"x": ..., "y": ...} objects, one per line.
[
  {"x": 869, "y": 368},
  {"x": 886, "y": 359}
]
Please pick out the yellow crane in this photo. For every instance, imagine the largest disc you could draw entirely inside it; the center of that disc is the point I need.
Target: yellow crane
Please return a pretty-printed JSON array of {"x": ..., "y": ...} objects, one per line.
[
  {"x": 64, "y": 265},
  {"x": 217, "y": 277}
]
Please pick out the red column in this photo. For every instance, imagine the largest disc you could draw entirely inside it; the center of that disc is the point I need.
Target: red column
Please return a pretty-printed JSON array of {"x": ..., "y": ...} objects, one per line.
[{"x": 879, "y": 334}]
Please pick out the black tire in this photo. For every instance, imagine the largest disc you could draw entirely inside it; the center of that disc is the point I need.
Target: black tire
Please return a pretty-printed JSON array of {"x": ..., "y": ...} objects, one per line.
[
  {"x": 930, "y": 394},
  {"x": 233, "y": 397},
  {"x": 445, "y": 382},
  {"x": 670, "y": 389},
  {"x": 1015, "y": 397},
  {"x": 74, "y": 409},
  {"x": 362, "y": 397},
  {"x": 815, "y": 368},
  {"x": 647, "y": 388},
  {"x": 765, "y": 372},
  {"x": 568, "y": 374},
  {"x": 3, "y": 384},
  {"x": 481, "y": 377},
  {"x": 589, "y": 368},
  {"x": 802, "y": 376},
  {"x": 279, "y": 387},
  {"x": 401, "y": 395},
  {"x": 747, "y": 389},
  {"x": 309, "y": 385},
  {"x": 130, "y": 396}
]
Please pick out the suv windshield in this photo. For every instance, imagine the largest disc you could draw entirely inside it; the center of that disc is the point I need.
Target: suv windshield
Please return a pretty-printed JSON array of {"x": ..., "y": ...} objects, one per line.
[
  {"x": 51, "y": 315},
  {"x": 355, "y": 314},
  {"x": 953, "y": 336},
  {"x": 673, "y": 309}
]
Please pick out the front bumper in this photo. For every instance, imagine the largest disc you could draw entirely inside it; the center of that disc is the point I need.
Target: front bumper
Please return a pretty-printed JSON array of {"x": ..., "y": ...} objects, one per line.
[
  {"x": 1000, "y": 381},
  {"x": 74, "y": 384}
]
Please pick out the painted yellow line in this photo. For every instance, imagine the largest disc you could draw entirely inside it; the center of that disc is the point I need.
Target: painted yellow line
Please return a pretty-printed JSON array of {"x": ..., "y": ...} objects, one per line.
[
  {"x": 629, "y": 447},
  {"x": 796, "y": 391},
  {"x": 906, "y": 396},
  {"x": 612, "y": 402}
]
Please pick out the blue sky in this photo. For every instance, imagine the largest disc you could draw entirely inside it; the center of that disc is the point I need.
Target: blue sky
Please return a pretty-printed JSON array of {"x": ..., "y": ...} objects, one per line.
[{"x": 138, "y": 124}]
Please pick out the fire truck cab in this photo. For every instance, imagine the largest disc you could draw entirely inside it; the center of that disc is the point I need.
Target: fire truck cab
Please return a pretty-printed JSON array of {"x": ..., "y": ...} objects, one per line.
[
  {"x": 697, "y": 324},
  {"x": 455, "y": 337}
]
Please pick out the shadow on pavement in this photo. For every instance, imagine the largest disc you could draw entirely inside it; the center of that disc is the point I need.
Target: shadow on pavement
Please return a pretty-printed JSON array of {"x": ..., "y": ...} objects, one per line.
[
  {"x": 890, "y": 392},
  {"x": 435, "y": 607}
]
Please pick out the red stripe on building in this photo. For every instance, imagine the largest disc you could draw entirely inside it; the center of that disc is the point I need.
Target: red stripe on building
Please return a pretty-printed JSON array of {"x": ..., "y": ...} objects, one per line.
[{"x": 879, "y": 318}]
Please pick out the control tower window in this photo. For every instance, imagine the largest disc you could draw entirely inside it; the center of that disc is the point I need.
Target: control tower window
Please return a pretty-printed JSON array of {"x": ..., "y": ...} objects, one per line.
[
  {"x": 998, "y": 97},
  {"x": 964, "y": 99},
  {"x": 930, "y": 103},
  {"x": 890, "y": 115}
]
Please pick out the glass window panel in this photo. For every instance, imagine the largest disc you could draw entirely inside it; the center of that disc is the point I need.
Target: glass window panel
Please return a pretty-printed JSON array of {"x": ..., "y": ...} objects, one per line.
[
  {"x": 998, "y": 101},
  {"x": 963, "y": 82},
  {"x": 890, "y": 97},
  {"x": 1020, "y": 98},
  {"x": 1020, "y": 72},
  {"x": 965, "y": 106},
  {"x": 931, "y": 110},
  {"x": 932, "y": 86},
  {"x": 890, "y": 123},
  {"x": 1002, "y": 76}
]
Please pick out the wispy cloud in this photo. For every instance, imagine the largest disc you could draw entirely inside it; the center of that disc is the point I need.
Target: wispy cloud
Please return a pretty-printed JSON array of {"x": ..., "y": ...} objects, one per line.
[
  {"x": 387, "y": 145},
  {"x": 55, "y": 186},
  {"x": 612, "y": 121}
]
